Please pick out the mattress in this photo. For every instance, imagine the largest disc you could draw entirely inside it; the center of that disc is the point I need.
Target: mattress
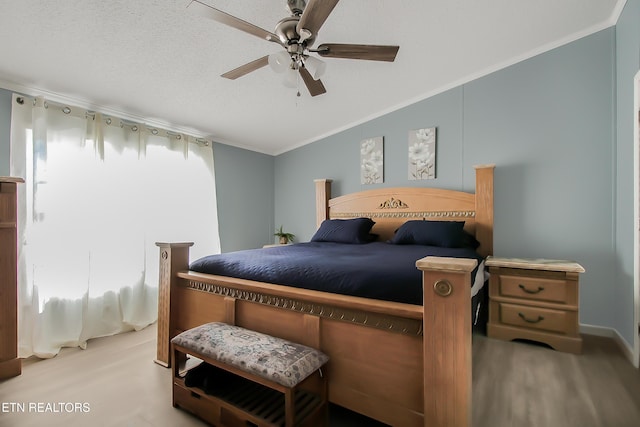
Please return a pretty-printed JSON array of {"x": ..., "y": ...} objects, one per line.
[{"x": 374, "y": 270}]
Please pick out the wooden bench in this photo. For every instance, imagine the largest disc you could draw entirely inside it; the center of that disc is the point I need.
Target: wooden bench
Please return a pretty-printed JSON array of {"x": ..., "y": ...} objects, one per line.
[{"x": 250, "y": 378}]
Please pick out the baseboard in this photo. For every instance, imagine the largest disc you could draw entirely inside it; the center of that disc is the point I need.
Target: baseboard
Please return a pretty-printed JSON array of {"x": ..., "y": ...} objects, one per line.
[{"x": 601, "y": 331}]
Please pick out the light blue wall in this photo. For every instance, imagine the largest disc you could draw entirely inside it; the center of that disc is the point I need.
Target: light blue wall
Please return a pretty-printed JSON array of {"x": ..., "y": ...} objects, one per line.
[
  {"x": 337, "y": 157},
  {"x": 627, "y": 65},
  {"x": 547, "y": 123},
  {"x": 244, "y": 188}
]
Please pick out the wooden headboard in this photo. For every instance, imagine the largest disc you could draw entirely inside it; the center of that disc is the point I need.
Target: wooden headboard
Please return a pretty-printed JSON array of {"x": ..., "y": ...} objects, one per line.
[{"x": 390, "y": 207}]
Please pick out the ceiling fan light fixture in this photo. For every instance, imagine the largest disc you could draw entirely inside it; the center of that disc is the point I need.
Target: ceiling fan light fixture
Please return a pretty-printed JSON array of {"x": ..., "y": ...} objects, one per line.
[
  {"x": 279, "y": 62},
  {"x": 315, "y": 67},
  {"x": 291, "y": 78}
]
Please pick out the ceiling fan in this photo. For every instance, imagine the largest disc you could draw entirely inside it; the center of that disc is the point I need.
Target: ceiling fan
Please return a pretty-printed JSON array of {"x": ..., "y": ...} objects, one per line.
[{"x": 297, "y": 34}]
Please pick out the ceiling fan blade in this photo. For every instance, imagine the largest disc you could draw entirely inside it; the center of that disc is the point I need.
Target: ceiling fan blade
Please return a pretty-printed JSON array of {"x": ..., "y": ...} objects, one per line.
[
  {"x": 246, "y": 68},
  {"x": 314, "y": 15},
  {"x": 207, "y": 11},
  {"x": 315, "y": 86},
  {"x": 358, "y": 51}
]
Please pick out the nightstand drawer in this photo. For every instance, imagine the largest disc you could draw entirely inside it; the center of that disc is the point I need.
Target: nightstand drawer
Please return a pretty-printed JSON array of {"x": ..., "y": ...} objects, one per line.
[
  {"x": 534, "y": 288},
  {"x": 535, "y": 318}
]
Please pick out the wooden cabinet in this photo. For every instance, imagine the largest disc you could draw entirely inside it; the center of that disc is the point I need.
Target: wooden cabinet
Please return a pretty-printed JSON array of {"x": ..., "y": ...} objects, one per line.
[
  {"x": 535, "y": 300},
  {"x": 10, "y": 365}
]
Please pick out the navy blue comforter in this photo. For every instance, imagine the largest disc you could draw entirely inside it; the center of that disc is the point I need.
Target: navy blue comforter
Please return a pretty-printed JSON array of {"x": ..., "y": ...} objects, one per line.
[{"x": 373, "y": 270}]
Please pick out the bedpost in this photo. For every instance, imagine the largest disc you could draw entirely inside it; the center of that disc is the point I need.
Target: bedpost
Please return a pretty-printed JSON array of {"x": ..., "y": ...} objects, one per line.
[
  {"x": 484, "y": 208},
  {"x": 447, "y": 340},
  {"x": 323, "y": 194},
  {"x": 174, "y": 257}
]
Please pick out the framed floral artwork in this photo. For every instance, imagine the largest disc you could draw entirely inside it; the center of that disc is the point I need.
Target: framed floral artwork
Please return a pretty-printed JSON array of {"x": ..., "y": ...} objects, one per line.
[
  {"x": 422, "y": 154},
  {"x": 372, "y": 160}
]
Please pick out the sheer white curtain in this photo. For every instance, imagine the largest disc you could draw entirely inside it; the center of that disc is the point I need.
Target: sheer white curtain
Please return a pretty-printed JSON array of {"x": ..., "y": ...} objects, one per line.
[{"x": 99, "y": 193}]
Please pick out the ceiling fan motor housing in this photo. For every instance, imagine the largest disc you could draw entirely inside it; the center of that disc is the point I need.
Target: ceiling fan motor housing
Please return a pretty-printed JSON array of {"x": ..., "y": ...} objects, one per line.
[
  {"x": 288, "y": 34},
  {"x": 296, "y": 6}
]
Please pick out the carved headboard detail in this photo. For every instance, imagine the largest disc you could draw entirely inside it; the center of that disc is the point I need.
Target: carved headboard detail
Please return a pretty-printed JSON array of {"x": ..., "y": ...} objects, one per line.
[{"x": 391, "y": 207}]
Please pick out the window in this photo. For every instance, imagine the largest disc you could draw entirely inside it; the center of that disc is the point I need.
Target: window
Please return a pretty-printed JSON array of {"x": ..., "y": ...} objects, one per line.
[{"x": 99, "y": 193}]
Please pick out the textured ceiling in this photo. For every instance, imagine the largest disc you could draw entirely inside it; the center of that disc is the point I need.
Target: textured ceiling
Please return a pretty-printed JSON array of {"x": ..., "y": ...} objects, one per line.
[{"x": 153, "y": 60}]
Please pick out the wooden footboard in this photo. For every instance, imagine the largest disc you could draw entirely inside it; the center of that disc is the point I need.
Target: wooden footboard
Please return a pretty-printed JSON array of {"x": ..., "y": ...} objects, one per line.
[
  {"x": 402, "y": 364},
  {"x": 388, "y": 361}
]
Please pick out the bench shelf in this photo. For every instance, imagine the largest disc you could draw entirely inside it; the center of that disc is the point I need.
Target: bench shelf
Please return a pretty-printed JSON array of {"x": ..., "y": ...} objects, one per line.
[
  {"x": 247, "y": 379},
  {"x": 243, "y": 401}
]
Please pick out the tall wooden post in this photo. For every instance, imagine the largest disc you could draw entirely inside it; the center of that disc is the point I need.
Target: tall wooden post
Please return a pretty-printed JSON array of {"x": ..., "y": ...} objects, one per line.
[
  {"x": 174, "y": 257},
  {"x": 447, "y": 340},
  {"x": 484, "y": 208},
  {"x": 323, "y": 194}
]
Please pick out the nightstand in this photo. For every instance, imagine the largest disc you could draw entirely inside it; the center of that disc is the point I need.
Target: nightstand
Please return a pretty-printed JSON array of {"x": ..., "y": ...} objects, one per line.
[{"x": 535, "y": 299}]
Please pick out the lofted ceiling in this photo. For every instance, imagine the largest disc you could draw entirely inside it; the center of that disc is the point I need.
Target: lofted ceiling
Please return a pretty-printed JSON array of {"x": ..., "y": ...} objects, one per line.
[{"x": 154, "y": 61}]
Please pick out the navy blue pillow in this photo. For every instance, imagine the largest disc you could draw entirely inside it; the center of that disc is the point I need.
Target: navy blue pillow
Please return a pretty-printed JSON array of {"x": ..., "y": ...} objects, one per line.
[
  {"x": 469, "y": 241},
  {"x": 445, "y": 234},
  {"x": 354, "y": 231}
]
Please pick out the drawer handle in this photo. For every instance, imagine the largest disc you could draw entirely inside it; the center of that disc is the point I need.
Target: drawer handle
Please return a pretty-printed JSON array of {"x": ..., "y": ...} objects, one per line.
[
  {"x": 539, "y": 319},
  {"x": 529, "y": 291}
]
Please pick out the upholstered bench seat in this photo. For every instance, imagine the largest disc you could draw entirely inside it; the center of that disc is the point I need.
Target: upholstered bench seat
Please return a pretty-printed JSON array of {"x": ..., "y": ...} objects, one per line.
[
  {"x": 260, "y": 365},
  {"x": 271, "y": 358}
]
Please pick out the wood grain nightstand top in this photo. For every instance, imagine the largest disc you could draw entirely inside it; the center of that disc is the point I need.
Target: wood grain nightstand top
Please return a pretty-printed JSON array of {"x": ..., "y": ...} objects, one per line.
[
  {"x": 11, "y": 179},
  {"x": 535, "y": 264}
]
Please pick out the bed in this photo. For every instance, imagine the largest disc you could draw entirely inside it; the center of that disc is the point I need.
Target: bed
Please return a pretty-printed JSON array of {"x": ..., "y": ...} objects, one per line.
[{"x": 405, "y": 363}]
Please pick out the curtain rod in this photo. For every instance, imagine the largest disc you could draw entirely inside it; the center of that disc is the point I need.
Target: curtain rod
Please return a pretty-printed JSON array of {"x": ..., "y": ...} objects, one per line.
[{"x": 133, "y": 124}]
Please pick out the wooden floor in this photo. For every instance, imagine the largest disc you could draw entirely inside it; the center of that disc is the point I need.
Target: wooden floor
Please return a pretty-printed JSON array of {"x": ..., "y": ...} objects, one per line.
[
  {"x": 524, "y": 384},
  {"x": 115, "y": 383}
]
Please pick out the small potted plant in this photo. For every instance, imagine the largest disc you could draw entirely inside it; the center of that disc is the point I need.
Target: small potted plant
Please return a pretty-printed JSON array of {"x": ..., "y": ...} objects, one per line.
[{"x": 284, "y": 237}]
